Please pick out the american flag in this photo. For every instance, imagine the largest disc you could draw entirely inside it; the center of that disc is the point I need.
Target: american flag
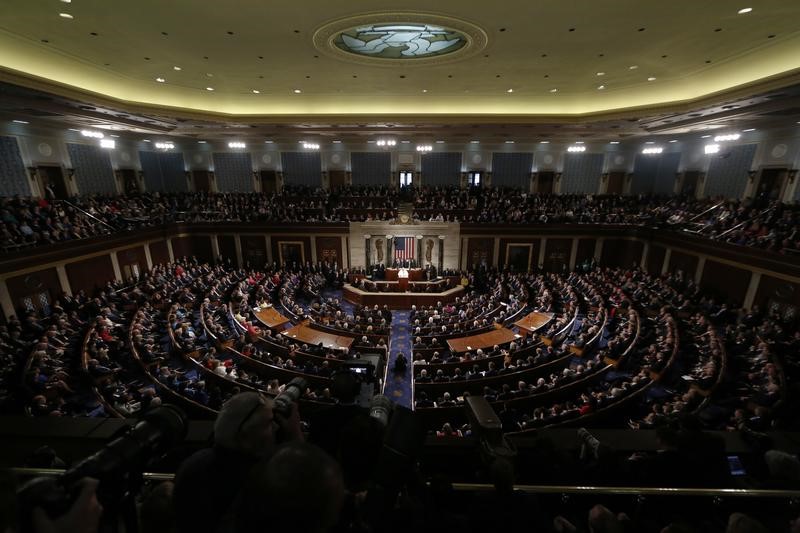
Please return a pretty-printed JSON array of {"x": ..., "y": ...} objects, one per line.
[{"x": 404, "y": 248}]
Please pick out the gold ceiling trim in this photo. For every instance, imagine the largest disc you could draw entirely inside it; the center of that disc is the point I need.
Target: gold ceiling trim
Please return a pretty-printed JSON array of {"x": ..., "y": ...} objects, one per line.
[
  {"x": 325, "y": 36},
  {"x": 99, "y": 99}
]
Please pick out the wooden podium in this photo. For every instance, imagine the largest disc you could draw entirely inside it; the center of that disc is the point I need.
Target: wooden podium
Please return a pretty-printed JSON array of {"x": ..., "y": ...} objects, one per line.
[{"x": 402, "y": 279}]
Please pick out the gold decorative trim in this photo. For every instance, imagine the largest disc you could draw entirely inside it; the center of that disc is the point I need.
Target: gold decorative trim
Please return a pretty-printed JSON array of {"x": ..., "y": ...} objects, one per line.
[{"x": 325, "y": 35}]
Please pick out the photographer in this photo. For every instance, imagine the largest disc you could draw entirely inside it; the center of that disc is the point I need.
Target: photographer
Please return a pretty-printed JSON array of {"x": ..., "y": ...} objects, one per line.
[{"x": 247, "y": 430}]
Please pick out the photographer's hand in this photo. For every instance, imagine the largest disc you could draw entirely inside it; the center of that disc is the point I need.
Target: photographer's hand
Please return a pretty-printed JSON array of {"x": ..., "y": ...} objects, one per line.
[
  {"x": 82, "y": 517},
  {"x": 290, "y": 427}
]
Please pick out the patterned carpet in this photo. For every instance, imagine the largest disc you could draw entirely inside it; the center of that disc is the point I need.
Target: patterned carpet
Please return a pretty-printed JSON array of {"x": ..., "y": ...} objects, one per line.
[{"x": 399, "y": 386}]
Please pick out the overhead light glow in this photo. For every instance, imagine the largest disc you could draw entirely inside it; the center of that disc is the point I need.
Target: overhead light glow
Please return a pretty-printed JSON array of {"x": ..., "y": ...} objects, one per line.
[
  {"x": 65, "y": 16},
  {"x": 729, "y": 137},
  {"x": 387, "y": 142},
  {"x": 474, "y": 142},
  {"x": 748, "y": 130},
  {"x": 236, "y": 144},
  {"x": 311, "y": 146},
  {"x": 652, "y": 150},
  {"x": 576, "y": 149},
  {"x": 269, "y": 141},
  {"x": 579, "y": 142},
  {"x": 20, "y": 121},
  {"x": 209, "y": 88},
  {"x": 424, "y": 90},
  {"x": 745, "y": 10},
  {"x": 633, "y": 67},
  {"x": 337, "y": 141},
  {"x": 651, "y": 78},
  {"x": 601, "y": 87},
  {"x": 405, "y": 142},
  {"x": 712, "y": 148},
  {"x": 601, "y": 73},
  {"x": 544, "y": 142},
  {"x": 510, "y": 91},
  {"x": 165, "y": 146},
  {"x": 176, "y": 68},
  {"x": 674, "y": 140},
  {"x": 614, "y": 142},
  {"x": 297, "y": 91},
  {"x": 108, "y": 143},
  {"x": 424, "y": 148},
  {"x": 439, "y": 142},
  {"x": 201, "y": 142},
  {"x": 146, "y": 140},
  {"x": 92, "y": 134},
  {"x": 705, "y": 136},
  {"x": 509, "y": 142},
  {"x": 66, "y": 1},
  {"x": 553, "y": 90},
  {"x": 160, "y": 80},
  {"x": 256, "y": 91}
]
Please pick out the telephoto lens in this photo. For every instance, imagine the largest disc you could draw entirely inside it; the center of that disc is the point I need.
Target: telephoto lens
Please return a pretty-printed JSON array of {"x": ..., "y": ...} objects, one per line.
[
  {"x": 291, "y": 393},
  {"x": 380, "y": 407}
]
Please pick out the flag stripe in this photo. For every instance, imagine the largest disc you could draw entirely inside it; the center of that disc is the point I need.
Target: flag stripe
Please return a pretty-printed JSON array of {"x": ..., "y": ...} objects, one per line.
[{"x": 404, "y": 248}]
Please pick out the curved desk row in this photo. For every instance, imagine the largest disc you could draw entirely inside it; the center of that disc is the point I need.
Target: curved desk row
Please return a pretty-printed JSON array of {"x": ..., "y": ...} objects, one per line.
[{"x": 399, "y": 300}]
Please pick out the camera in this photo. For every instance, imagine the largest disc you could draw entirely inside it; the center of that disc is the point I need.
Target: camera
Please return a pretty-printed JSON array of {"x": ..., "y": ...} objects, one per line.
[
  {"x": 118, "y": 466},
  {"x": 292, "y": 392}
]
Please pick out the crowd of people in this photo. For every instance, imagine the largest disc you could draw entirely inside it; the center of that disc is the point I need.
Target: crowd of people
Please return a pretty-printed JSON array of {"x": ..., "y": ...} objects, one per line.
[{"x": 33, "y": 222}]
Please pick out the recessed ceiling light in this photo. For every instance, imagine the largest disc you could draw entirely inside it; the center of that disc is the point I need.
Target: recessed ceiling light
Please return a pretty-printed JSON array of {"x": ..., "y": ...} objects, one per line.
[
  {"x": 405, "y": 142},
  {"x": 112, "y": 135},
  {"x": 176, "y": 68},
  {"x": 651, "y": 78},
  {"x": 601, "y": 73},
  {"x": 748, "y": 129},
  {"x": 65, "y": 16},
  {"x": 209, "y": 75},
  {"x": 439, "y": 142},
  {"x": 256, "y": 91},
  {"x": 269, "y": 142},
  {"x": 705, "y": 136},
  {"x": 614, "y": 142},
  {"x": 160, "y": 80},
  {"x": 20, "y": 121},
  {"x": 544, "y": 142},
  {"x": 146, "y": 140},
  {"x": 633, "y": 67},
  {"x": 553, "y": 90},
  {"x": 337, "y": 142},
  {"x": 474, "y": 142},
  {"x": 674, "y": 140},
  {"x": 201, "y": 142},
  {"x": 650, "y": 142},
  {"x": 424, "y": 90},
  {"x": 297, "y": 91},
  {"x": 209, "y": 88},
  {"x": 745, "y": 10},
  {"x": 601, "y": 87},
  {"x": 509, "y": 142},
  {"x": 579, "y": 142},
  {"x": 510, "y": 91},
  {"x": 67, "y": 1}
]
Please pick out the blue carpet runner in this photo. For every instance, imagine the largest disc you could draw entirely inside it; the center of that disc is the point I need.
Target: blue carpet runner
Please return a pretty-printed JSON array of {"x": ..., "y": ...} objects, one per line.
[{"x": 398, "y": 386}]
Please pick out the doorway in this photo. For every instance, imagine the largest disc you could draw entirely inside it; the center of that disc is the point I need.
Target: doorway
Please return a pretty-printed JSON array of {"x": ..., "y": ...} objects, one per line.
[
  {"x": 129, "y": 182},
  {"x": 269, "y": 181},
  {"x": 544, "y": 183},
  {"x": 771, "y": 184},
  {"x": 202, "y": 180},
  {"x": 616, "y": 183},
  {"x": 54, "y": 177},
  {"x": 337, "y": 179},
  {"x": 689, "y": 185}
]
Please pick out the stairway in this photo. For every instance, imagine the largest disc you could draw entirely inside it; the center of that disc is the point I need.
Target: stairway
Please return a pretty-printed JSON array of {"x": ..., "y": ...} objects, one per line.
[{"x": 405, "y": 208}]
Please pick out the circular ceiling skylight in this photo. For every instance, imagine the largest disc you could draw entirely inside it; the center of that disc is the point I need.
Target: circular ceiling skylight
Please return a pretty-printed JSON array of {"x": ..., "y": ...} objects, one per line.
[
  {"x": 400, "y": 36},
  {"x": 400, "y": 41}
]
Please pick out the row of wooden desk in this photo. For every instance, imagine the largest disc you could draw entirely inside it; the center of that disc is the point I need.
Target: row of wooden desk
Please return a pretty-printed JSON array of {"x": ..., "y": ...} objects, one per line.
[
  {"x": 399, "y": 300},
  {"x": 483, "y": 341}
]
